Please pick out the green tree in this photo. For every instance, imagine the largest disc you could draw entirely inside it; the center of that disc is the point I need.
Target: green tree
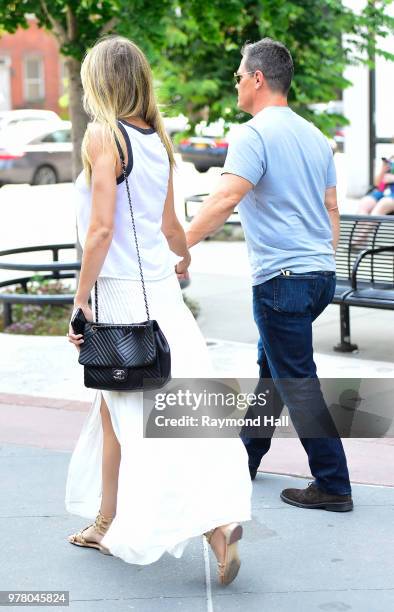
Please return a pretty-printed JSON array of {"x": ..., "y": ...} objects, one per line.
[
  {"x": 77, "y": 24},
  {"x": 194, "y": 45},
  {"x": 205, "y": 38}
]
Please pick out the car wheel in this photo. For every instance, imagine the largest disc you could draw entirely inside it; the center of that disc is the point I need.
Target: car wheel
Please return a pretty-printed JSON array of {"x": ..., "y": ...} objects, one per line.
[
  {"x": 201, "y": 168},
  {"x": 45, "y": 175}
]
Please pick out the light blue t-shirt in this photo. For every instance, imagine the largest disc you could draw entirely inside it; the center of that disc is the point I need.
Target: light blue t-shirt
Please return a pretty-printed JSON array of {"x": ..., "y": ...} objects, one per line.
[{"x": 290, "y": 163}]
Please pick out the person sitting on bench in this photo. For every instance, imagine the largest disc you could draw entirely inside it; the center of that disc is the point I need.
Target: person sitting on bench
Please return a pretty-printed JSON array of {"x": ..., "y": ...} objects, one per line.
[{"x": 380, "y": 201}]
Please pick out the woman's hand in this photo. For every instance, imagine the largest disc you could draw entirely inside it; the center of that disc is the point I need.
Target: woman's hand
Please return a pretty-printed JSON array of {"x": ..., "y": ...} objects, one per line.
[
  {"x": 181, "y": 267},
  {"x": 77, "y": 339},
  {"x": 388, "y": 178}
]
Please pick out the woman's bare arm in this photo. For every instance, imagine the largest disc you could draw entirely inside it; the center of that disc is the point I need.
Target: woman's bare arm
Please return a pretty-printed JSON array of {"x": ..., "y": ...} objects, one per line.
[
  {"x": 100, "y": 232},
  {"x": 174, "y": 232}
]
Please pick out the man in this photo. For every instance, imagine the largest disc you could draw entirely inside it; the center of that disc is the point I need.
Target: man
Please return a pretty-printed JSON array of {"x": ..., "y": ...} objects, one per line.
[{"x": 280, "y": 170}]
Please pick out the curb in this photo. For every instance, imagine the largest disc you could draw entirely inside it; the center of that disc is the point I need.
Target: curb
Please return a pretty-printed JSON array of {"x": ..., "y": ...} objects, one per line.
[{"x": 44, "y": 402}]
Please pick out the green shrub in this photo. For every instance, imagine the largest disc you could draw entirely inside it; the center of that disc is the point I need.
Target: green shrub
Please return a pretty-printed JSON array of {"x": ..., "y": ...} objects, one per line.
[
  {"x": 40, "y": 319},
  {"x": 47, "y": 319}
]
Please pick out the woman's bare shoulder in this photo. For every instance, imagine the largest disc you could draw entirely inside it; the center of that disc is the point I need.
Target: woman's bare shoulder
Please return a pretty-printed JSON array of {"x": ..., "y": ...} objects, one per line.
[{"x": 99, "y": 141}]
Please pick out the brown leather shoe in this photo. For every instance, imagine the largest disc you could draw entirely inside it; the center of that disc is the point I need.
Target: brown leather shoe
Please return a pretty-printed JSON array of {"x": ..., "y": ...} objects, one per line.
[{"x": 313, "y": 497}]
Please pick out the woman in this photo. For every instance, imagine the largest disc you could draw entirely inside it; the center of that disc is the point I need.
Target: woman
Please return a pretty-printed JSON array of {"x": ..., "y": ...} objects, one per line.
[
  {"x": 380, "y": 201},
  {"x": 150, "y": 495}
]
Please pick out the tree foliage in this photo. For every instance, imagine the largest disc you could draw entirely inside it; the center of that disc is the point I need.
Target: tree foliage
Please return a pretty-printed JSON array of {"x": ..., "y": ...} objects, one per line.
[
  {"x": 205, "y": 38},
  {"x": 77, "y": 24},
  {"x": 194, "y": 45}
]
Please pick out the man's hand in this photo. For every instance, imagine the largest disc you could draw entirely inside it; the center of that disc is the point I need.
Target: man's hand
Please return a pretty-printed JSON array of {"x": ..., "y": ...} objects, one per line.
[{"x": 388, "y": 178}]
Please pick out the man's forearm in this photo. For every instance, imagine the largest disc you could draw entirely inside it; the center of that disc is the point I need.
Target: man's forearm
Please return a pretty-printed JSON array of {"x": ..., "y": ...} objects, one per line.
[
  {"x": 94, "y": 254},
  {"x": 212, "y": 215},
  {"x": 335, "y": 226}
]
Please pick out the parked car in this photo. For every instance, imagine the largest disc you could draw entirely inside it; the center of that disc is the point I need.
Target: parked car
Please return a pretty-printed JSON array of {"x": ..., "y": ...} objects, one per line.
[
  {"x": 24, "y": 116},
  {"x": 204, "y": 151},
  {"x": 38, "y": 153},
  {"x": 209, "y": 148}
]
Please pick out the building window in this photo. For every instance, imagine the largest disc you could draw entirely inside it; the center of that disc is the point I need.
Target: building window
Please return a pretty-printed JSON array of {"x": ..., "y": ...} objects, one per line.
[{"x": 34, "y": 78}]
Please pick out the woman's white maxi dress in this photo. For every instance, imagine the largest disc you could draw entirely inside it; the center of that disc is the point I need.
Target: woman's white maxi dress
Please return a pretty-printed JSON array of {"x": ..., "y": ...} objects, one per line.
[{"x": 170, "y": 489}]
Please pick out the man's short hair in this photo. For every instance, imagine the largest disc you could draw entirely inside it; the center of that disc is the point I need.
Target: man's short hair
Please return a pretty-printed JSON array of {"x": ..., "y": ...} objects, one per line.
[{"x": 273, "y": 59}]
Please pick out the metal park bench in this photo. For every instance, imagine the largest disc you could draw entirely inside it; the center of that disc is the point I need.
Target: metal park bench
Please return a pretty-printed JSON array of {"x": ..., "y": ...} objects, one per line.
[
  {"x": 364, "y": 261},
  {"x": 365, "y": 268}
]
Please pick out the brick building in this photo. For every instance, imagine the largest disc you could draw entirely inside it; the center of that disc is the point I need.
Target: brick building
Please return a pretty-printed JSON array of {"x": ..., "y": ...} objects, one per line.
[{"x": 31, "y": 69}]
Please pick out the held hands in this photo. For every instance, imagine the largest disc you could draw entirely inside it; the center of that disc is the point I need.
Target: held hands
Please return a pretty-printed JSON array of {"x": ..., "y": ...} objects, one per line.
[
  {"x": 181, "y": 267},
  {"x": 77, "y": 339}
]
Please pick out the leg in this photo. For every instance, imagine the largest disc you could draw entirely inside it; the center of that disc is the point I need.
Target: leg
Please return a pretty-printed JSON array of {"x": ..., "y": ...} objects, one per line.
[
  {"x": 363, "y": 230},
  {"x": 92, "y": 535},
  {"x": 258, "y": 442},
  {"x": 284, "y": 310},
  {"x": 366, "y": 205},
  {"x": 111, "y": 462},
  {"x": 384, "y": 207}
]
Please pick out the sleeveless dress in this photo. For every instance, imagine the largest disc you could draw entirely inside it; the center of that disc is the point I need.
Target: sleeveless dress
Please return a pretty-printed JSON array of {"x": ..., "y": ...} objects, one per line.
[{"x": 170, "y": 489}]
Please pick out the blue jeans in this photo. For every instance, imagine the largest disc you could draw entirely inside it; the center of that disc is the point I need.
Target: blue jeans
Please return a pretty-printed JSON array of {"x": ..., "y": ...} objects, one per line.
[{"x": 284, "y": 308}]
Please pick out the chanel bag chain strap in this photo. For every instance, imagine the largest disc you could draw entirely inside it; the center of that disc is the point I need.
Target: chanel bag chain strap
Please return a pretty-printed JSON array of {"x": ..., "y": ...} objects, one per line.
[{"x": 125, "y": 357}]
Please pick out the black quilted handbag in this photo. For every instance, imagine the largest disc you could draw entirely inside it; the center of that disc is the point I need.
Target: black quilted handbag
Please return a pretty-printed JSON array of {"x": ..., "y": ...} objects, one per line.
[{"x": 119, "y": 357}]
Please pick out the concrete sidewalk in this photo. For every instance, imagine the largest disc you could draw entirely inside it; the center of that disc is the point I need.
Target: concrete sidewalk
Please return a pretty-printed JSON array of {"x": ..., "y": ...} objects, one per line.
[
  {"x": 55, "y": 424},
  {"x": 45, "y": 406},
  {"x": 292, "y": 559}
]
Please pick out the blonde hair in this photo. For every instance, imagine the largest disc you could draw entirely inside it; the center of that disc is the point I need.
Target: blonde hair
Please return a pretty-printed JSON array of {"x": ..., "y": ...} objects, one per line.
[{"x": 117, "y": 82}]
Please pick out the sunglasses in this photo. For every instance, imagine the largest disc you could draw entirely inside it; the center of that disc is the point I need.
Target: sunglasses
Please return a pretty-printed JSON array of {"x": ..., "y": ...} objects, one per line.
[{"x": 238, "y": 76}]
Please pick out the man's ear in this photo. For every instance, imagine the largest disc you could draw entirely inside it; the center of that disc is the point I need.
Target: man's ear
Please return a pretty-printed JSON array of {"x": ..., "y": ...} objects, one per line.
[{"x": 259, "y": 79}]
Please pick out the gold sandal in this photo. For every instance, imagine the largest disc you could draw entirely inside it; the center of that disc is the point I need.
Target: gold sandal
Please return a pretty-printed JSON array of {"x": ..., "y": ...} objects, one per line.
[
  {"x": 229, "y": 569},
  {"x": 101, "y": 525}
]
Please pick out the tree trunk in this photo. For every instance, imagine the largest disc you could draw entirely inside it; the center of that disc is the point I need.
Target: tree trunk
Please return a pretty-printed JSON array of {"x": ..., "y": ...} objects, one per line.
[
  {"x": 79, "y": 120},
  {"x": 78, "y": 116}
]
